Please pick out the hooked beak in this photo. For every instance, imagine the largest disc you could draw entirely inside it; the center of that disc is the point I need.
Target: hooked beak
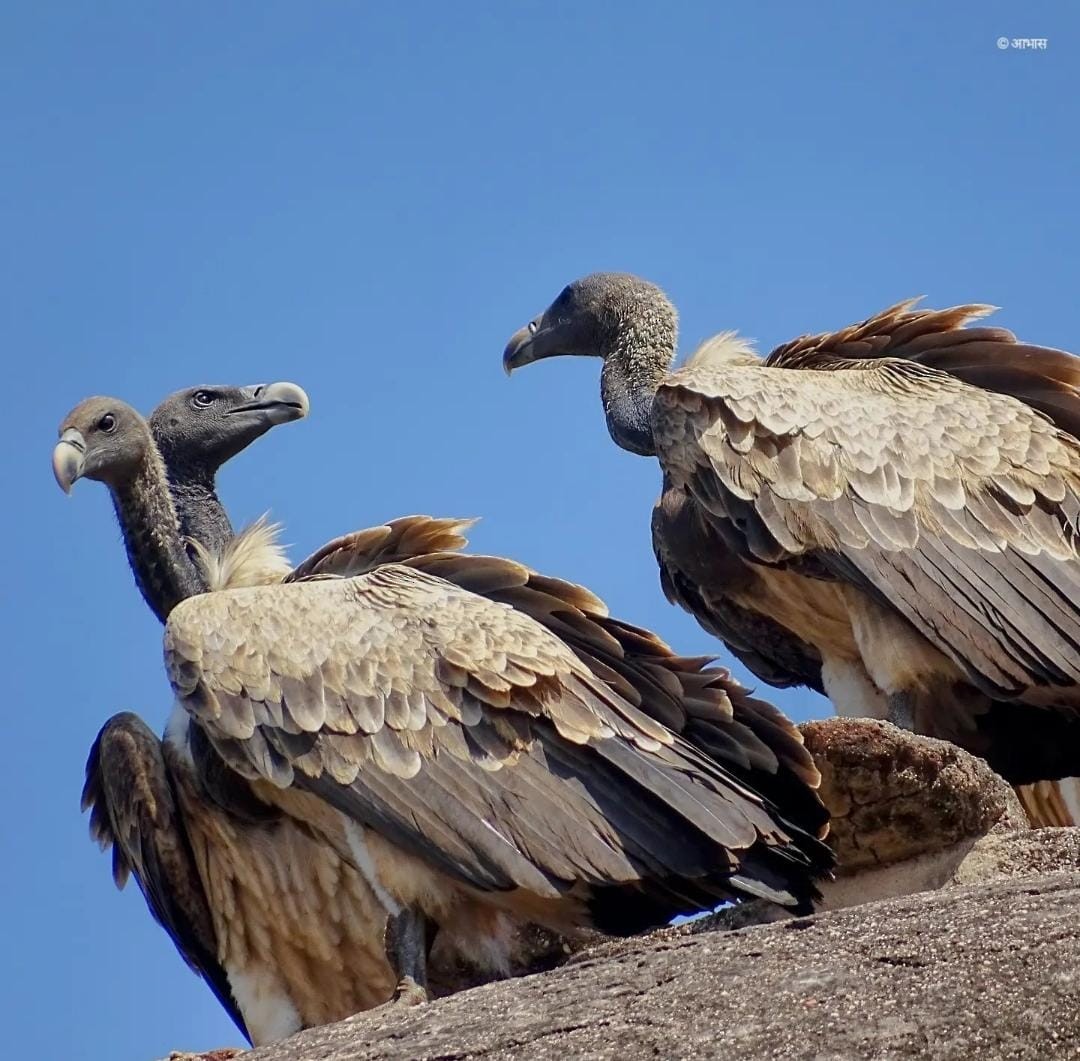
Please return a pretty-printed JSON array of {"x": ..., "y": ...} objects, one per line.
[
  {"x": 536, "y": 341},
  {"x": 279, "y": 403},
  {"x": 68, "y": 459},
  {"x": 520, "y": 350}
]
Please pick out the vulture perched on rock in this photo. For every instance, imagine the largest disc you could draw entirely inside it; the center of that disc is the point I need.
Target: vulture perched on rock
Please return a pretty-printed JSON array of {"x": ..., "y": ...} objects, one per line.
[
  {"x": 130, "y": 789},
  {"x": 359, "y": 752},
  {"x": 888, "y": 513}
]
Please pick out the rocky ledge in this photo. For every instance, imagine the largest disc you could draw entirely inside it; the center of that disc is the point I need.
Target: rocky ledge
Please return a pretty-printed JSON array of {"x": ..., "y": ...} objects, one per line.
[{"x": 951, "y": 931}]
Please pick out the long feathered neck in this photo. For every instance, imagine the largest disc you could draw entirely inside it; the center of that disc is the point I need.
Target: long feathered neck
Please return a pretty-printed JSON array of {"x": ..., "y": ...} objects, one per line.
[
  {"x": 163, "y": 569},
  {"x": 223, "y": 559},
  {"x": 201, "y": 514},
  {"x": 636, "y": 361}
]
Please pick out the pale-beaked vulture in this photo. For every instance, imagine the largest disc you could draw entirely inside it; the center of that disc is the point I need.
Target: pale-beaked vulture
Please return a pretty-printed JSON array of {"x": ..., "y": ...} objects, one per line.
[
  {"x": 130, "y": 788},
  {"x": 888, "y": 513},
  {"x": 439, "y": 761},
  {"x": 748, "y": 736}
]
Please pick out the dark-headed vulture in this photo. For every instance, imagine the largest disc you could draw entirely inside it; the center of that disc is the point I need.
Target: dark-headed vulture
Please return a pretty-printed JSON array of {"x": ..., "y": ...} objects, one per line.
[{"x": 888, "y": 513}]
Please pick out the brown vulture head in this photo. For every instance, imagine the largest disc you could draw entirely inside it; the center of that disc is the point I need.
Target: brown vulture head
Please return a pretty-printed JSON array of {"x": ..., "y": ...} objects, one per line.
[{"x": 103, "y": 439}]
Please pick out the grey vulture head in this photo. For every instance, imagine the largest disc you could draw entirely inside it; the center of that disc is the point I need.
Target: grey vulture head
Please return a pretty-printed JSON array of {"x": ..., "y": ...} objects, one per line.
[
  {"x": 589, "y": 318},
  {"x": 200, "y": 428},
  {"x": 629, "y": 323},
  {"x": 105, "y": 439}
]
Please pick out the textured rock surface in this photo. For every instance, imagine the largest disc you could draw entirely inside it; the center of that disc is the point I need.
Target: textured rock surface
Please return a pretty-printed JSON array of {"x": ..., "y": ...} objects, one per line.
[
  {"x": 991, "y": 971},
  {"x": 987, "y": 966},
  {"x": 894, "y": 796},
  {"x": 1019, "y": 854}
]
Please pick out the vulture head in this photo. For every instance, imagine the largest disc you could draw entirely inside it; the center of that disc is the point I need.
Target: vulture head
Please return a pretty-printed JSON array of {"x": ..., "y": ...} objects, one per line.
[
  {"x": 103, "y": 439},
  {"x": 593, "y": 317},
  {"x": 203, "y": 427},
  {"x": 107, "y": 440},
  {"x": 629, "y": 323}
]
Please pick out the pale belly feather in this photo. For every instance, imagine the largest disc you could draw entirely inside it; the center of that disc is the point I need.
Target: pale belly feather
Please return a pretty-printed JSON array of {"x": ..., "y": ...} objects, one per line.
[{"x": 867, "y": 651}]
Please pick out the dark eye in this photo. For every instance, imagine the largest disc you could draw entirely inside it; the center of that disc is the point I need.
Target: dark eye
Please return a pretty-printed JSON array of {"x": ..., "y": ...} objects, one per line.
[
  {"x": 202, "y": 399},
  {"x": 107, "y": 423}
]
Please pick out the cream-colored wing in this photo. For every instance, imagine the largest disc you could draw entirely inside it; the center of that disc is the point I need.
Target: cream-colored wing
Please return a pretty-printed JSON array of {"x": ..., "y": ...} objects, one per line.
[
  {"x": 470, "y": 736},
  {"x": 747, "y": 736},
  {"x": 1051, "y": 804},
  {"x": 957, "y": 506}
]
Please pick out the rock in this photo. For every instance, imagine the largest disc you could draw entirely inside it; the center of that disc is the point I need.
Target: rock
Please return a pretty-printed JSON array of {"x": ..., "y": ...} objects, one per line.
[
  {"x": 990, "y": 971},
  {"x": 894, "y": 796},
  {"x": 226, "y": 1053},
  {"x": 979, "y": 955},
  {"x": 906, "y": 812},
  {"x": 1019, "y": 854}
]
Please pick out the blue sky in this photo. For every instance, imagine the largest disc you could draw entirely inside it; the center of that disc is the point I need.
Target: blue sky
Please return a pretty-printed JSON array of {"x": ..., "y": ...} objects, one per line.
[{"x": 368, "y": 199}]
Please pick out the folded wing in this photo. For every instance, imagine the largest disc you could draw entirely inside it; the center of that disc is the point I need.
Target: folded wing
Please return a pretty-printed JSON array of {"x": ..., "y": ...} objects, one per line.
[
  {"x": 133, "y": 811},
  {"x": 712, "y": 711},
  {"x": 466, "y": 734},
  {"x": 958, "y": 507}
]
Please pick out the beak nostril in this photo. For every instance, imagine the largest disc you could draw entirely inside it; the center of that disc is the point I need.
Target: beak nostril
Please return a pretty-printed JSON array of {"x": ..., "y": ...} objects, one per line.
[{"x": 258, "y": 390}]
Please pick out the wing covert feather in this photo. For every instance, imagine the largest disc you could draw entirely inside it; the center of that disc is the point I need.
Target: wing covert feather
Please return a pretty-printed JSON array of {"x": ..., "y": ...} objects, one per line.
[
  {"x": 883, "y": 470},
  {"x": 685, "y": 695},
  {"x": 444, "y": 704}
]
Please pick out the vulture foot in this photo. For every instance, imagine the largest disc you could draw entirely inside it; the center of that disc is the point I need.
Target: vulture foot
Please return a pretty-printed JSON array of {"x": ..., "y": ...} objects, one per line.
[
  {"x": 408, "y": 993},
  {"x": 902, "y": 710},
  {"x": 408, "y": 940}
]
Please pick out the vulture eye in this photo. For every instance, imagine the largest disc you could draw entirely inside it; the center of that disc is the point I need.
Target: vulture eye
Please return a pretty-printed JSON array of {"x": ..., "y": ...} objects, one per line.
[
  {"x": 107, "y": 423},
  {"x": 202, "y": 399}
]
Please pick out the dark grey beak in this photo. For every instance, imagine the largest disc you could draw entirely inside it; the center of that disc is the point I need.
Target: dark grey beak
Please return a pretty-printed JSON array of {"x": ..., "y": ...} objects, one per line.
[
  {"x": 519, "y": 351},
  {"x": 280, "y": 403},
  {"x": 68, "y": 458},
  {"x": 537, "y": 340}
]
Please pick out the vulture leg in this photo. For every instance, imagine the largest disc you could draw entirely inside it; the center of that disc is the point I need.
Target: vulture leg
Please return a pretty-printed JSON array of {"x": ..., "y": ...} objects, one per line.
[
  {"x": 408, "y": 941},
  {"x": 902, "y": 710}
]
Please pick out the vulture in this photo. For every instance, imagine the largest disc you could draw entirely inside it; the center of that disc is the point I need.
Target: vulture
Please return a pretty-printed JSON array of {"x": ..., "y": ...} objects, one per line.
[
  {"x": 889, "y": 514},
  {"x": 129, "y": 788},
  {"x": 198, "y": 429},
  {"x": 368, "y": 757}
]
